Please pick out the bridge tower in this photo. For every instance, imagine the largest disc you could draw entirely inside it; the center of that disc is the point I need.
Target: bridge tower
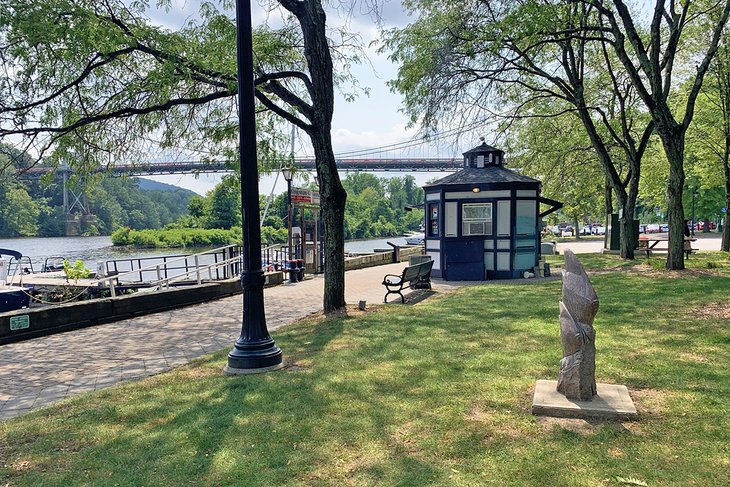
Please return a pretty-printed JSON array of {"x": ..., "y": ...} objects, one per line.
[{"x": 75, "y": 206}]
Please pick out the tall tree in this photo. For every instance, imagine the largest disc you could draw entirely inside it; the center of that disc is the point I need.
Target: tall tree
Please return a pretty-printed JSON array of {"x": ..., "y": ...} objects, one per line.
[
  {"x": 557, "y": 152},
  {"x": 709, "y": 134},
  {"x": 527, "y": 58},
  {"x": 95, "y": 78},
  {"x": 650, "y": 56}
]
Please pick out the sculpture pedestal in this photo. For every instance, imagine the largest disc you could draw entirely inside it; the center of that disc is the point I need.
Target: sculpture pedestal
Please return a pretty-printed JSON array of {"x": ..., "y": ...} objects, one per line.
[{"x": 611, "y": 402}]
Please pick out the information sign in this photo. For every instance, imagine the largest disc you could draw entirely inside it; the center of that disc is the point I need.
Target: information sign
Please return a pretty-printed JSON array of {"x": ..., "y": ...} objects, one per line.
[
  {"x": 19, "y": 322},
  {"x": 304, "y": 196}
]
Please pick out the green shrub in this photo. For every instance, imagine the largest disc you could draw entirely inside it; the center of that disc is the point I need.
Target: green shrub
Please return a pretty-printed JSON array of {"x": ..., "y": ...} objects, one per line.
[
  {"x": 270, "y": 236},
  {"x": 76, "y": 271},
  {"x": 120, "y": 236},
  {"x": 177, "y": 237}
]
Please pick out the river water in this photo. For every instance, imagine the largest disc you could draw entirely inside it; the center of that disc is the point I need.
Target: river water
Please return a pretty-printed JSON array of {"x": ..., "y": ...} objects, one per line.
[{"x": 93, "y": 249}]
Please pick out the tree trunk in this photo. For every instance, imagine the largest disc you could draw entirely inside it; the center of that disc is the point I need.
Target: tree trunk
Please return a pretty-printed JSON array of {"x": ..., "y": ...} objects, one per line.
[
  {"x": 333, "y": 215},
  {"x": 673, "y": 141},
  {"x": 725, "y": 245},
  {"x": 629, "y": 238},
  {"x": 608, "y": 198},
  {"x": 613, "y": 179},
  {"x": 313, "y": 21},
  {"x": 628, "y": 235}
]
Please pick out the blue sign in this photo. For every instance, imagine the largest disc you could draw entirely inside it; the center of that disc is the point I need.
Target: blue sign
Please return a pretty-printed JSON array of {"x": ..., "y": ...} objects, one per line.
[{"x": 724, "y": 209}]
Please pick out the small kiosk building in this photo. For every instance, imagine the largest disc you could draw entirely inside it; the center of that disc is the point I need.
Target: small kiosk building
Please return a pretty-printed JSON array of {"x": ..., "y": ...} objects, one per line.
[{"x": 483, "y": 222}]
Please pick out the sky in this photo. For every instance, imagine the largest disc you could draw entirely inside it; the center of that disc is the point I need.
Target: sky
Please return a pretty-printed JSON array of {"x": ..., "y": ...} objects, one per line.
[{"x": 369, "y": 121}]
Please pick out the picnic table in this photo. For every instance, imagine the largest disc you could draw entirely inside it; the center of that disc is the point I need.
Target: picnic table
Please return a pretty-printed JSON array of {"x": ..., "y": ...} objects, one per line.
[{"x": 648, "y": 244}]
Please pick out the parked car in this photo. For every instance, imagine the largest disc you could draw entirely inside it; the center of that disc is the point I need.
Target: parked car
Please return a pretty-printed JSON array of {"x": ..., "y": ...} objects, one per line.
[
  {"x": 701, "y": 226},
  {"x": 601, "y": 230},
  {"x": 664, "y": 227},
  {"x": 653, "y": 228}
]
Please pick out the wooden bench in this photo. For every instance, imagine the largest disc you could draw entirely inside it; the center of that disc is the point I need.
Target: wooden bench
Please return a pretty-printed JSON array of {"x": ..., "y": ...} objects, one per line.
[{"x": 417, "y": 276}]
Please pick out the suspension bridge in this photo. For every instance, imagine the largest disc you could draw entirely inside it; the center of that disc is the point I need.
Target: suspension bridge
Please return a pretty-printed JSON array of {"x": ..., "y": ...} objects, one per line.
[
  {"x": 77, "y": 210},
  {"x": 398, "y": 164},
  {"x": 76, "y": 205}
]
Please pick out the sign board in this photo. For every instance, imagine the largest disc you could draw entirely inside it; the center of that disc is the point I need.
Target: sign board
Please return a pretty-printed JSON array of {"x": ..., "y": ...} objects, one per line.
[
  {"x": 304, "y": 196},
  {"x": 19, "y": 322},
  {"x": 724, "y": 209}
]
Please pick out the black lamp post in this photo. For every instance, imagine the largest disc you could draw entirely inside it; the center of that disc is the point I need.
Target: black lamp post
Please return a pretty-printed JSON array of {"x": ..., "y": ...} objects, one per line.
[
  {"x": 694, "y": 195},
  {"x": 255, "y": 350},
  {"x": 288, "y": 173}
]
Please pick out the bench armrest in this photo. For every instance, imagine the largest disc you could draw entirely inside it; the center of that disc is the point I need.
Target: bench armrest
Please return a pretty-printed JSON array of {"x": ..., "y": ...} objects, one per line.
[{"x": 398, "y": 279}]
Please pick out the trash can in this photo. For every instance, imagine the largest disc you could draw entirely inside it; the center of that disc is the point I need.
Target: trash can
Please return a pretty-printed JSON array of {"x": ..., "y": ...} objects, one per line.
[
  {"x": 300, "y": 265},
  {"x": 293, "y": 270}
]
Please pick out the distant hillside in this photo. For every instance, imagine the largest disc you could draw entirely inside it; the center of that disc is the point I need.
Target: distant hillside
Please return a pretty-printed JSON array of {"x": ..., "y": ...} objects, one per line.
[{"x": 150, "y": 185}]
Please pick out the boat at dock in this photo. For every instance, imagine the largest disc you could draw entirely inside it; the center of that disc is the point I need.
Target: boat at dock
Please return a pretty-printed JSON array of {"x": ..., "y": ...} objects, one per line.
[
  {"x": 12, "y": 297},
  {"x": 415, "y": 238}
]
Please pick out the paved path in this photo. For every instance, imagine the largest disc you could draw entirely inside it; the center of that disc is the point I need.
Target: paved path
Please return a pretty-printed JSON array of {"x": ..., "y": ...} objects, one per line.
[{"x": 41, "y": 371}]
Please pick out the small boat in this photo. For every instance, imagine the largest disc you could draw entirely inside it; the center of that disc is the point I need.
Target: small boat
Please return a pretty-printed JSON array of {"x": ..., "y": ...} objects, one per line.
[
  {"x": 11, "y": 297},
  {"x": 415, "y": 239}
]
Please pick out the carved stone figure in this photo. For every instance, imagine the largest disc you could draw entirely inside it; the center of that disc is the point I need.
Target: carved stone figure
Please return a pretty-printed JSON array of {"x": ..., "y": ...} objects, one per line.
[{"x": 577, "y": 378}]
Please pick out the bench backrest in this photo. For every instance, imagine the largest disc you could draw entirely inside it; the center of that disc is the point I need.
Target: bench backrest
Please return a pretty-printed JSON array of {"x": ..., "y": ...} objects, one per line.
[
  {"x": 426, "y": 267},
  {"x": 417, "y": 271},
  {"x": 411, "y": 272}
]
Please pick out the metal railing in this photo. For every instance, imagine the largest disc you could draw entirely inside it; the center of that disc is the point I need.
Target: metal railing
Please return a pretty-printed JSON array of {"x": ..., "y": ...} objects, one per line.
[
  {"x": 226, "y": 263},
  {"x": 154, "y": 273}
]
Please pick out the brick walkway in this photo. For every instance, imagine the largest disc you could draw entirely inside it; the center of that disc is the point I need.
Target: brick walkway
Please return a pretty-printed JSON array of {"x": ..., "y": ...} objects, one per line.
[{"x": 38, "y": 372}]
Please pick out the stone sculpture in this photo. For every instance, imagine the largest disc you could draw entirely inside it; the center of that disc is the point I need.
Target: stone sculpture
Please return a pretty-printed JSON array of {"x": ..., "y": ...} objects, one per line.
[{"x": 577, "y": 378}]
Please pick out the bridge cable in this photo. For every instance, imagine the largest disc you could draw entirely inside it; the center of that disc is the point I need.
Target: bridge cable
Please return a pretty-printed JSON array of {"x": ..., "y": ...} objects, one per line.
[
  {"x": 413, "y": 142},
  {"x": 276, "y": 180}
]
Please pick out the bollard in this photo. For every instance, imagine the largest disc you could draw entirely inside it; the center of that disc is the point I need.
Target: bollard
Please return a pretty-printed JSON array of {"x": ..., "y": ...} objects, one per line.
[
  {"x": 300, "y": 265},
  {"x": 293, "y": 271}
]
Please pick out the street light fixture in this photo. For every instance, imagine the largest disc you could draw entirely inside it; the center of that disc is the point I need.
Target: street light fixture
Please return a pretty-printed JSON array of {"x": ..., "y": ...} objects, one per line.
[
  {"x": 288, "y": 173},
  {"x": 255, "y": 350}
]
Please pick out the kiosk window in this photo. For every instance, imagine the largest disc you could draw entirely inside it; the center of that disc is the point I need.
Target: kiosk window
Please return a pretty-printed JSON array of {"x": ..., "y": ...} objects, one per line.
[{"x": 476, "y": 219}]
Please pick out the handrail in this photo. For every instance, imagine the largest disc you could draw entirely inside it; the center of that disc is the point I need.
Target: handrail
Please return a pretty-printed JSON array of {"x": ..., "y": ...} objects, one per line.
[
  {"x": 180, "y": 258},
  {"x": 165, "y": 283},
  {"x": 157, "y": 268}
]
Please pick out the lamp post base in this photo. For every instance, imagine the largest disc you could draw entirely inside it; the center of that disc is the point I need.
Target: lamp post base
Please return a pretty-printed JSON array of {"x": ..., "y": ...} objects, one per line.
[
  {"x": 228, "y": 370},
  {"x": 251, "y": 358}
]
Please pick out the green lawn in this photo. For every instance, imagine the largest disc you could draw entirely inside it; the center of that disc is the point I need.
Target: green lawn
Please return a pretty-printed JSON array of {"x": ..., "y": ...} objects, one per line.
[{"x": 436, "y": 393}]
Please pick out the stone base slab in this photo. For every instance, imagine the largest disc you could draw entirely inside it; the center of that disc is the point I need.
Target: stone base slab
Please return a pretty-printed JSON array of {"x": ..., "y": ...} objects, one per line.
[{"x": 611, "y": 402}]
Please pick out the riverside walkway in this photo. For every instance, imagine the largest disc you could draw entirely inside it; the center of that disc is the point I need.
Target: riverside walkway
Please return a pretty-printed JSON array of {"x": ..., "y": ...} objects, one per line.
[
  {"x": 41, "y": 371},
  {"x": 38, "y": 372}
]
